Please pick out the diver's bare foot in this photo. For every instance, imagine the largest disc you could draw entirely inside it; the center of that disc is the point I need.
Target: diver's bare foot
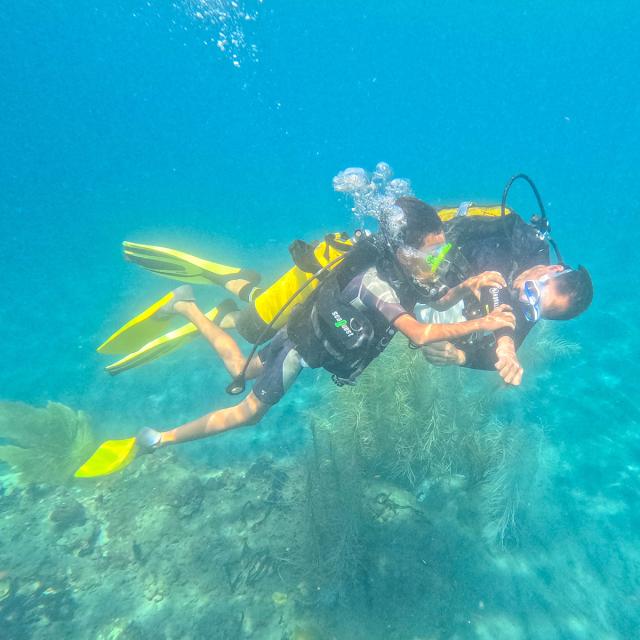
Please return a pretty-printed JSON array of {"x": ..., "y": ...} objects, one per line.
[
  {"x": 183, "y": 307},
  {"x": 181, "y": 302}
]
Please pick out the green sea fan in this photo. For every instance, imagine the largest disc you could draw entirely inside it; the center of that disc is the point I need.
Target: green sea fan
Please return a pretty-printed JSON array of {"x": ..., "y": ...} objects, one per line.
[{"x": 44, "y": 445}]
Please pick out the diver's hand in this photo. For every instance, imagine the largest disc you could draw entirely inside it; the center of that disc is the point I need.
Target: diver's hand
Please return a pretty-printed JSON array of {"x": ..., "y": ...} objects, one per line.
[
  {"x": 484, "y": 279},
  {"x": 443, "y": 354},
  {"x": 148, "y": 440},
  {"x": 508, "y": 365},
  {"x": 500, "y": 318}
]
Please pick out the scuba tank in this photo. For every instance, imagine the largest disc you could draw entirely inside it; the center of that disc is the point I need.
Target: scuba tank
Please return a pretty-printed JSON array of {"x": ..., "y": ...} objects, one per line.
[
  {"x": 270, "y": 309},
  {"x": 536, "y": 236}
]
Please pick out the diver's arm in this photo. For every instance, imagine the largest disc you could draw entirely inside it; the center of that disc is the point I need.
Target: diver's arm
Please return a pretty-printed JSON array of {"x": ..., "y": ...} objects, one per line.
[
  {"x": 472, "y": 286},
  {"x": 507, "y": 362},
  {"x": 444, "y": 354},
  {"x": 421, "y": 334},
  {"x": 500, "y": 356},
  {"x": 480, "y": 357}
]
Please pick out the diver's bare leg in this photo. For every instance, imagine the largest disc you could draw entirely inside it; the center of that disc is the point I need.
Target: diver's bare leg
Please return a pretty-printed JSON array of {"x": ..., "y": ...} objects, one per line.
[
  {"x": 236, "y": 286},
  {"x": 244, "y": 289},
  {"x": 222, "y": 343},
  {"x": 247, "y": 412}
]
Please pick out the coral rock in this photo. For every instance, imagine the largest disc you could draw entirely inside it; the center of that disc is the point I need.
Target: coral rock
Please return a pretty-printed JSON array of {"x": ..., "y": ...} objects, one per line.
[{"x": 67, "y": 515}]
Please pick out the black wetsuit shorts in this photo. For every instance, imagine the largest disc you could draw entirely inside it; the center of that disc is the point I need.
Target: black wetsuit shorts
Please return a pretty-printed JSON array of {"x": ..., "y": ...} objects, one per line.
[{"x": 281, "y": 365}]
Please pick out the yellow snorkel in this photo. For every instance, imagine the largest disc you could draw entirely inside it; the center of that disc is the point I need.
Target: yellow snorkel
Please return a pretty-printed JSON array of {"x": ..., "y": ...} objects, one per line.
[{"x": 434, "y": 261}]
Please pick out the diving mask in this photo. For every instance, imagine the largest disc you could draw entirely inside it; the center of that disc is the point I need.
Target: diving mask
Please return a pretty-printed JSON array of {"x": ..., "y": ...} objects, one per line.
[
  {"x": 424, "y": 267},
  {"x": 423, "y": 263},
  {"x": 531, "y": 296},
  {"x": 436, "y": 256}
]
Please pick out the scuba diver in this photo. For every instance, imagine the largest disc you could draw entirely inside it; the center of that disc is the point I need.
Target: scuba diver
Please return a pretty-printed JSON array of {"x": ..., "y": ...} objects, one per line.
[
  {"x": 497, "y": 239},
  {"x": 362, "y": 298},
  {"x": 491, "y": 260},
  {"x": 551, "y": 292}
]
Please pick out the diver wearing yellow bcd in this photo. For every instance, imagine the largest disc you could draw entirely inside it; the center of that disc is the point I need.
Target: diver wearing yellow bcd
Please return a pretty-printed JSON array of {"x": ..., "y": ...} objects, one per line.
[{"x": 147, "y": 336}]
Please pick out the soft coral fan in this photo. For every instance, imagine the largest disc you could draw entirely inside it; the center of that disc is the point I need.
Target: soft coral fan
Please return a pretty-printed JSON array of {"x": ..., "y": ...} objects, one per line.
[{"x": 44, "y": 444}]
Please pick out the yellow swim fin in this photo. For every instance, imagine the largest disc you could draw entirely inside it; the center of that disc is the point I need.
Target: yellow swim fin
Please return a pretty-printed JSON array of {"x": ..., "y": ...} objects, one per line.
[
  {"x": 178, "y": 265},
  {"x": 138, "y": 331},
  {"x": 110, "y": 457},
  {"x": 168, "y": 342},
  {"x": 155, "y": 349}
]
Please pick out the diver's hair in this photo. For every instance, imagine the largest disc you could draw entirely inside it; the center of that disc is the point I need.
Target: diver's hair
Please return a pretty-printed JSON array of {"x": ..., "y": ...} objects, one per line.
[
  {"x": 421, "y": 220},
  {"x": 576, "y": 285}
]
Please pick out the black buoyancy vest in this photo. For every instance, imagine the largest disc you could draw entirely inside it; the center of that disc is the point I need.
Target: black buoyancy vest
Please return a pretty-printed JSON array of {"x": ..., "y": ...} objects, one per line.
[{"x": 332, "y": 333}]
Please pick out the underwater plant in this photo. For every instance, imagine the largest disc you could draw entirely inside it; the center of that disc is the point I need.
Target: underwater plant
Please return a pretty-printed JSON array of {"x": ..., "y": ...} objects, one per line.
[
  {"x": 333, "y": 554},
  {"x": 546, "y": 345},
  {"x": 408, "y": 420},
  {"x": 510, "y": 472},
  {"x": 422, "y": 457},
  {"x": 44, "y": 445},
  {"x": 411, "y": 424}
]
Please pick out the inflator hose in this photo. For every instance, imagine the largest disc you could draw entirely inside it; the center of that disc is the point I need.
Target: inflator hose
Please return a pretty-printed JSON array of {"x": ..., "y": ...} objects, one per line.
[{"x": 542, "y": 224}]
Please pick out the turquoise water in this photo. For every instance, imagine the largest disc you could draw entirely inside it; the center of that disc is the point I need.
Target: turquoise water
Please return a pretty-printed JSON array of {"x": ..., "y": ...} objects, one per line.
[{"x": 127, "y": 120}]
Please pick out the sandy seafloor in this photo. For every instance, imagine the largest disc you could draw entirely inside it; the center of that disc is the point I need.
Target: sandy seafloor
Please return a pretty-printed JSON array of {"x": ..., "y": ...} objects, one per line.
[{"x": 421, "y": 506}]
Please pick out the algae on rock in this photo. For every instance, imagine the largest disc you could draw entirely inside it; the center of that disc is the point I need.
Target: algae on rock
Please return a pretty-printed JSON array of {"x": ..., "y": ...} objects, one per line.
[{"x": 44, "y": 445}]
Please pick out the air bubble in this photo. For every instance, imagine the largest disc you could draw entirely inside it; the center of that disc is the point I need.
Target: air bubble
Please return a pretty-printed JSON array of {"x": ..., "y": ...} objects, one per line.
[
  {"x": 227, "y": 19},
  {"x": 374, "y": 195}
]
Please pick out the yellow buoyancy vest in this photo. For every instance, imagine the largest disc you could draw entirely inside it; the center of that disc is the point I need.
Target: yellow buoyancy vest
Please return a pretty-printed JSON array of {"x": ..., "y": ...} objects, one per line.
[{"x": 273, "y": 299}]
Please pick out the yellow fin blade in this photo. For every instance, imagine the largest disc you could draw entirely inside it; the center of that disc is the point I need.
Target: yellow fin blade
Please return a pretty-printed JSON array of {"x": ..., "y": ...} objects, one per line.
[
  {"x": 141, "y": 329},
  {"x": 110, "y": 457},
  {"x": 178, "y": 265},
  {"x": 159, "y": 347}
]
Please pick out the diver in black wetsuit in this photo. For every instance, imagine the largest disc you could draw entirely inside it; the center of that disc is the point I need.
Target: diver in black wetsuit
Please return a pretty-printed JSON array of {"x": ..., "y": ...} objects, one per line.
[{"x": 534, "y": 288}]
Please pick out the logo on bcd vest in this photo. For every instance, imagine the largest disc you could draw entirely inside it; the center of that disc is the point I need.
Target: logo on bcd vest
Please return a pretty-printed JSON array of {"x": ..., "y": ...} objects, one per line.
[{"x": 341, "y": 323}]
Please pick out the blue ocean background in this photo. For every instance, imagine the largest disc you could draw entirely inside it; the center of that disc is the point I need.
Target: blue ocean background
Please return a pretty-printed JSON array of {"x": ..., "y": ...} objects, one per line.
[{"x": 124, "y": 120}]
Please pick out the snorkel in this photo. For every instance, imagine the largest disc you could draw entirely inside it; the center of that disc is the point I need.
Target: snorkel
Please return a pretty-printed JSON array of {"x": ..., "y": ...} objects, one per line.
[{"x": 435, "y": 260}]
